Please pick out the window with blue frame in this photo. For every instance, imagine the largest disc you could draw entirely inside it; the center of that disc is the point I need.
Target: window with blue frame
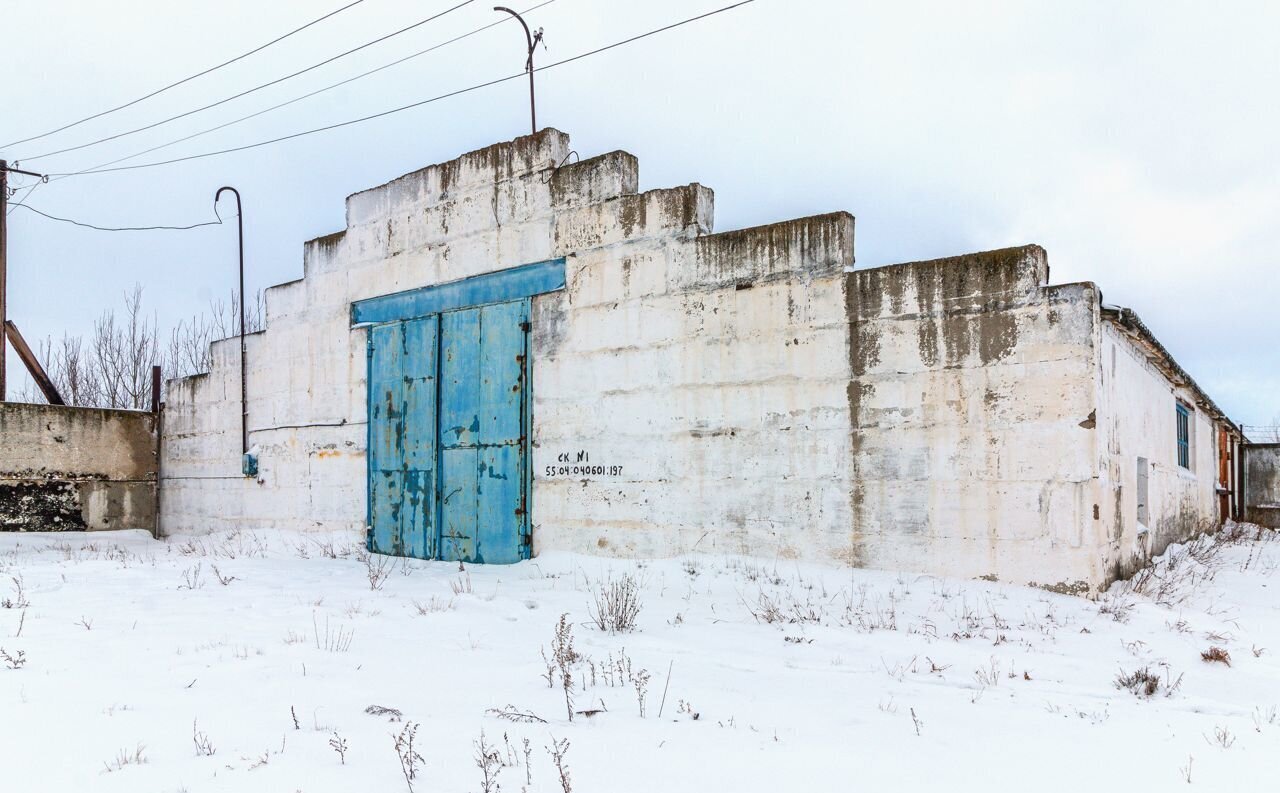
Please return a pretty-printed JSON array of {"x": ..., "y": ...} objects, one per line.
[{"x": 1184, "y": 436}]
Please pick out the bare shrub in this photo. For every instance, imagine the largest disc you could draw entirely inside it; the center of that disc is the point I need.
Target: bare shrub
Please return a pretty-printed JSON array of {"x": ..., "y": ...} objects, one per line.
[
  {"x": 191, "y": 578},
  {"x": 1264, "y": 717},
  {"x": 411, "y": 761},
  {"x": 1116, "y": 606},
  {"x": 489, "y": 761},
  {"x": 765, "y": 609},
  {"x": 558, "y": 750},
  {"x": 433, "y": 605},
  {"x": 222, "y": 579},
  {"x": 68, "y": 365},
  {"x": 123, "y": 353},
  {"x": 1140, "y": 681},
  {"x": 112, "y": 368},
  {"x": 1222, "y": 737},
  {"x": 204, "y": 746},
  {"x": 1216, "y": 654},
  {"x": 378, "y": 568},
  {"x": 339, "y": 744},
  {"x": 335, "y": 640},
  {"x": 564, "y": 656},
  {"x": 640, "y": 680},
  {"x": 377, "y": 710},
  {"x": 462, "y": 586},
  {"x": 15, "y": 661},
  {"x": 988, "y": 676},
  {"x": 1183, "y": 570},
  {"x": 617, "y": 604},
  {"x": 126, "y": 757},
  {"x": 1145, "y": 683},
  {"x": 512, "y": 713},
  {"x": 19, "y": 599}
]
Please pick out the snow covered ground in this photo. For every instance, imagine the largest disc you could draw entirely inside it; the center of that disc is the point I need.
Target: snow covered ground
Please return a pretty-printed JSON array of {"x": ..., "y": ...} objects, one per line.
[{"x": 238, "y": 662}]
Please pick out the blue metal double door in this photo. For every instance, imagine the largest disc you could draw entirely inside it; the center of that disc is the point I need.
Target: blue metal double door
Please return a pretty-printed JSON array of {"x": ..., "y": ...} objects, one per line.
[{"x": 448, "y": 435}]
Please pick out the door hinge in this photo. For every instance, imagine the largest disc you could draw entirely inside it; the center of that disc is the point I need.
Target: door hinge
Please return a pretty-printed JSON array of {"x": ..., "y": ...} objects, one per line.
[{"x": 526, "y": 326}]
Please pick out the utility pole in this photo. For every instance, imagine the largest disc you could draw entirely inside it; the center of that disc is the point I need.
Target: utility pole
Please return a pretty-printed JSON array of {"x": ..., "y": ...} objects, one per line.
[{"x": 5, "y": 170}]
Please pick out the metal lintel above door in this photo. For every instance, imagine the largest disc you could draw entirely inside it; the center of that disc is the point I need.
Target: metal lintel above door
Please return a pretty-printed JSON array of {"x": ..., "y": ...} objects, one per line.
[{"x": 496, "y": 287}]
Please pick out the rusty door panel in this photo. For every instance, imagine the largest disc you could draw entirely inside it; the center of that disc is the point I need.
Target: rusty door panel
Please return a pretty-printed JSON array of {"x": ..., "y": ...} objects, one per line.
[
  {"x": 482, "y": 444},
  {"x": 459, "y": 431},
  {"x": 501, "y": 408},
  {"x": 402, "y": 440},
  {"x": 448, "y": 440}
]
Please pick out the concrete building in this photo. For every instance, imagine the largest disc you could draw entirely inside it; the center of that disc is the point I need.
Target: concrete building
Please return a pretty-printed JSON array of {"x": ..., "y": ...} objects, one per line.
[
  {"x": 508, "y": 353},
  {"x": 76, "y": 469}
]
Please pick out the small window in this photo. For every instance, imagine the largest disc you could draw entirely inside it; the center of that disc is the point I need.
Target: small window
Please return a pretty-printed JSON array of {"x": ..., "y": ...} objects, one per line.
[{"x": 1184, "y": 436}]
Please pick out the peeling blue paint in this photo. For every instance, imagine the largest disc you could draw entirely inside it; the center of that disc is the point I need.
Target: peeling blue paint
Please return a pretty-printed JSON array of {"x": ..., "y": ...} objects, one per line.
[
  {"x": 499, "y": 287},
  {"x": 448, "y": 411}
]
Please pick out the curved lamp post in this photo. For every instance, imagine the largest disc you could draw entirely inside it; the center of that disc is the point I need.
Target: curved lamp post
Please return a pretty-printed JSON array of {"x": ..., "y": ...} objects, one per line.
[
  {"x": 248, "y": 465},
  {"x": 532, "y": 39}
]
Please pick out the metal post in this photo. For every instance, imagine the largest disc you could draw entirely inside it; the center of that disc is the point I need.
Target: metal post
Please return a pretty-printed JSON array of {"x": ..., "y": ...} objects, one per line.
[
  {"x": 155, "y": 389},
  {"x": 4, "y": 256},
  {"x": 244, "y": 393},
  {"x": 532, "y": 39}
]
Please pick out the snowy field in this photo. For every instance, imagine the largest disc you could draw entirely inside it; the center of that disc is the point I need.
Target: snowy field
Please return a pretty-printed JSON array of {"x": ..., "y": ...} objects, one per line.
[{"x": 249, "y": 662}]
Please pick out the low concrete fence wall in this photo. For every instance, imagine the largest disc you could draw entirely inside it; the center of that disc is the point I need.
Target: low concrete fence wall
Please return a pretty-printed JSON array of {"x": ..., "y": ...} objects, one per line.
[
  {"x": 1262, "y": 484},
  {"x": 76, "y": 469}
]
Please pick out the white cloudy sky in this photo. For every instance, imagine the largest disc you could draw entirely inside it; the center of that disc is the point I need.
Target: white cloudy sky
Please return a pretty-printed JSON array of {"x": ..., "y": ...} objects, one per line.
[{"x": 1137, "y": 142}]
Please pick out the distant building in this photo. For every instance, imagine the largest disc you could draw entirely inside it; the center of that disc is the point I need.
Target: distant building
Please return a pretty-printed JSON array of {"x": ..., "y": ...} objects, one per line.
[{"x": 509, "y": 353}]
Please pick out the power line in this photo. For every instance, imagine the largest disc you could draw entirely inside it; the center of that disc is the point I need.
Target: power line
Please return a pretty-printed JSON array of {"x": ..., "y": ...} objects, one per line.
[
  {"x": 251, "y": 90},
  {"x": 307, "y": 95},
  {"x": 30, "y": 189},
  {"x": 186, "y": 79},
  {"x": 412, "y": 105},
  {"x": 217, "y": 222}
]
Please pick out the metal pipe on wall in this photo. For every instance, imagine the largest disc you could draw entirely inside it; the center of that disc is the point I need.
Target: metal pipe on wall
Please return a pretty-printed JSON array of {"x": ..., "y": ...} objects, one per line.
[{"x": 248, "y": 466}]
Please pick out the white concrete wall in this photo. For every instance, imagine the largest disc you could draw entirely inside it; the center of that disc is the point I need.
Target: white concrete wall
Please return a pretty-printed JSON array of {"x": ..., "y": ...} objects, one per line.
[
  {"x": 488, "y": 210},
  {"x": 972, "y": 400},
  {"x": 1137, "y": 418},
  {"x": 1262, "y": 484},
  {"x": 76, "y": 469},
  {"x": 737, "y": 392},
  {"x": 711, "y": 367}
]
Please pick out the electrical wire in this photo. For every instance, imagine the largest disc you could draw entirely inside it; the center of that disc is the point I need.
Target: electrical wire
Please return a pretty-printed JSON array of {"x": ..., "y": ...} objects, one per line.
[
  {"x": 307, "y": 95},
  {"x": 30, "y": 189},
  {"x": 256, "y": 88},
  {"x": 185, "y": 79},
  {"x": 217, "y": 222},
  {"x": 412, "y": 105}
]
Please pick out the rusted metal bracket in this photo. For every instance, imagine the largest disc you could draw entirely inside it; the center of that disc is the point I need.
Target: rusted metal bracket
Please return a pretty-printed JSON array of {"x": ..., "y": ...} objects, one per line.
[{"x": 43, "y": 382}]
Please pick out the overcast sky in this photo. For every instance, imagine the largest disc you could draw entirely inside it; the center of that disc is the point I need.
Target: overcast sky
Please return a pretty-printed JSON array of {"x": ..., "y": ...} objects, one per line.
[{"x": 1137, "y": 142}]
